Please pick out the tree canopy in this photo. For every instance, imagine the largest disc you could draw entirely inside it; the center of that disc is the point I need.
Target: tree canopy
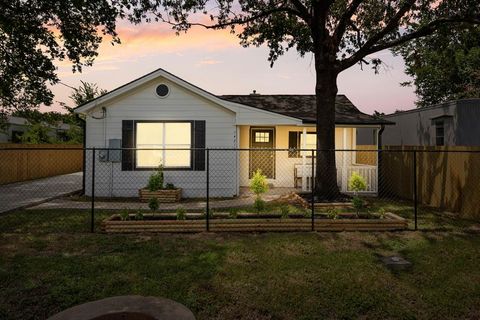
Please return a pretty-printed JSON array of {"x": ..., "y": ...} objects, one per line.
[
  {"x": 444, "y": 66},
  {"x": 35, "y": 34},
  {"x": 352, "y": 29}
]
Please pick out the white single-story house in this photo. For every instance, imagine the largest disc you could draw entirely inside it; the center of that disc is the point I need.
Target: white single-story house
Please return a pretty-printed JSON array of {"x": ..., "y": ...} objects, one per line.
[{"x": 160, "y": 110}]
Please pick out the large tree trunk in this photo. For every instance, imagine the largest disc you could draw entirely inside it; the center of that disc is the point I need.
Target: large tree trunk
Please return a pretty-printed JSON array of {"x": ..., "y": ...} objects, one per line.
[{"x": 326, "y": 187}]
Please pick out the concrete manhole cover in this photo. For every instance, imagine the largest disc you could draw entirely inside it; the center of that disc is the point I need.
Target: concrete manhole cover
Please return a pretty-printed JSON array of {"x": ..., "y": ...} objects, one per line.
[
  {"x": 396, "y": 263},
  {"x": 127, "y": 308}
]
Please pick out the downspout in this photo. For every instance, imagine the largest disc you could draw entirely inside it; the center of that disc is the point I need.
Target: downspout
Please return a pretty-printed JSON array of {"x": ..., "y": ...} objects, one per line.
[
  {"x": 84, "y": 141},
  {"x": 380, "y": 182}
]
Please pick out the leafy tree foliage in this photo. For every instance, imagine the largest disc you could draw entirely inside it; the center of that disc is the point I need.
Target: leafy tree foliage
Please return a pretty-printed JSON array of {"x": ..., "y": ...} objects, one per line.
[
  {"x": 85, "y": 92},
  {"x": 445, "y": 65},
  {"x": 37, "y": 133},
  {"x": 35, "y": 33},
  {"x": 42, "y": 124},
  {"x": 339, "y": 34}
]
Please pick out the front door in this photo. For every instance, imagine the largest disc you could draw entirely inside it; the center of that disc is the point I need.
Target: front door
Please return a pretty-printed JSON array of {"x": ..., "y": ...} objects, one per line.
[{"x": 262, "y": 138}]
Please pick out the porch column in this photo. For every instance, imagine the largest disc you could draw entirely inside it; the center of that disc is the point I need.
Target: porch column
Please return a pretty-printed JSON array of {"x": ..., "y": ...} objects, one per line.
[{"x": 304, "y": 160}]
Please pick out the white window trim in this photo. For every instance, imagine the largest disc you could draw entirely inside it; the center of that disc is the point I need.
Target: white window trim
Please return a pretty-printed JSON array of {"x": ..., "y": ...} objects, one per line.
[{"x": 163, "y": 145}]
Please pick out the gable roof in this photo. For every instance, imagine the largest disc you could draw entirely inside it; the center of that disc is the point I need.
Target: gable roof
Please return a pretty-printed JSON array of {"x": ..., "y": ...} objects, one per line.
[
  {"x": 301, "y": 107},
  {"x": 304, "y": 107},
  {"x": 144, "y": 79}
]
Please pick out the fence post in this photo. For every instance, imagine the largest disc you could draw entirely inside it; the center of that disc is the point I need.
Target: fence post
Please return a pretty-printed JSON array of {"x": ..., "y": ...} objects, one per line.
[
  {"x": 312, "y": 186},
  {"x": 207, "y": 210},
  {"x": 92, "y": 218},
  {"x": 415, "y": 196}
]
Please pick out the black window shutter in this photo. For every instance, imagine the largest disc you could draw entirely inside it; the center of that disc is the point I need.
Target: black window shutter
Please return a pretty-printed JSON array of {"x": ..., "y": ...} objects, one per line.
[
  {"x": 199, "y": 144},
  {"x": 293, "y": 144},
  {"x": 127, "y": 142}
]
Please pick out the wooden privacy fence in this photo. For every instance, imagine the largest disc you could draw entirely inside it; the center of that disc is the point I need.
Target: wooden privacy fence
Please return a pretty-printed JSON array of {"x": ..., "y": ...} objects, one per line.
[
  {"x": 445, "y": 180},
  {"x": 34, "y": 163}
]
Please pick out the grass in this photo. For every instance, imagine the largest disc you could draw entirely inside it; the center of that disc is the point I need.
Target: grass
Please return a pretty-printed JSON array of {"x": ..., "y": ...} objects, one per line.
[{"x": 45, "y": 268}]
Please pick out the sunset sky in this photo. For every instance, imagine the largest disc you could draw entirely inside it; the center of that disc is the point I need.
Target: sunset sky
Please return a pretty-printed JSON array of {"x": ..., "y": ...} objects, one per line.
[{"x": 214, "y": 61}]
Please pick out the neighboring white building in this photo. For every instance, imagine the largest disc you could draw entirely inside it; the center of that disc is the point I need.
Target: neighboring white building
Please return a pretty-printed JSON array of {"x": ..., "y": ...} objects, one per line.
[
  {"x": 160, "y": 110},
  {"x": 16, "y": 126}
]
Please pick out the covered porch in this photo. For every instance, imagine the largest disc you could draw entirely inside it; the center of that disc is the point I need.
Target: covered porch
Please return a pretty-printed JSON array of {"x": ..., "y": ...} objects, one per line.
[{"x": 284, "y": 155}]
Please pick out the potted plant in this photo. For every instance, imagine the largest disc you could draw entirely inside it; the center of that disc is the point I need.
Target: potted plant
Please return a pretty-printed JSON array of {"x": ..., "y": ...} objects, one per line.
[{"x": 156, "y": 189}]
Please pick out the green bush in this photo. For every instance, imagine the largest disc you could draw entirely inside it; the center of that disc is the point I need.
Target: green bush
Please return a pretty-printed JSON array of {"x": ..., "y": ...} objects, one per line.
[
  {"x": 285, "y": 211},
  {"x": 153, "y": 204},
  {"x": 381, "y": 212},
  {"x": 169, "y": 186},
  {"x": 233, "y": 213},
  {"x": 139, "y": 216},
  {"x": 124, "y": 216},
  {"x": 358, "y": 203},
  {"x": 332, "y": 213},
  {"x": 155, "y": 182},
  {"x": 258, "y": 184},
  {"x": 357, "y": 183},
  {"x": 181, "y": 213},
  {"x": 259, "y": 205}
]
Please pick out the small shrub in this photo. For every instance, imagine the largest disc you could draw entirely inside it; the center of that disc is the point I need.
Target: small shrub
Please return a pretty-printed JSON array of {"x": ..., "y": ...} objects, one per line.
[
  {"x": 181, "y": 213},
  {"x": 382, "y": 212},
  {"x": 233, "y": 213},
  {"x": 170, "y": 186},
  {"x": 358, "y": 204},
  {"x": 332, "y": 213},
  {"x": 258, "y": 184},
  {"x": 139, "y": 216},
  {"x": 155, "y": 182},
  {"x": 210, "y": 213},
  {"x": 124, "y": 216},
  {"x": 259, "y": 205},
  {"x": 153, "y": 204},
  {"x": 357, "y": 183},
  {"x": 285, "y": 211}
]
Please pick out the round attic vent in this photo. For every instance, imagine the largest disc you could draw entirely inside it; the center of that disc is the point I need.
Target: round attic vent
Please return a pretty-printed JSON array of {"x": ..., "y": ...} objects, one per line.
[{"x": 162, "y": 90}]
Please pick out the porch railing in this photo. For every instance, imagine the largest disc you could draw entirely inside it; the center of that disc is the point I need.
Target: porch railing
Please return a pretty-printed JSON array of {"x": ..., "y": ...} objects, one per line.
[{"x": 368, "y": 172}]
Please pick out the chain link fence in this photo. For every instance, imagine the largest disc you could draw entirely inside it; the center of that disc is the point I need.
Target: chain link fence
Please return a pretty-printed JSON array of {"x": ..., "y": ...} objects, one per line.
[{"x": 76, "y": 189}]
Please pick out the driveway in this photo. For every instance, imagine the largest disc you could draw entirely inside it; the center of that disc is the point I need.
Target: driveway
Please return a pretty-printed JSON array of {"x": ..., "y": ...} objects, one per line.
[{"x": 29, "y": 193}]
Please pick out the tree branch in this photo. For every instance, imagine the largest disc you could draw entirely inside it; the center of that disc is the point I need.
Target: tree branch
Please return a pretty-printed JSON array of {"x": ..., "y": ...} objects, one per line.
[
  {"x": 345, "y": 19},
  {"x": 236, "y": 21},
  {"x": 302, "y": 11},
  {"x": 391, "y": 25},
  {"x": 426, "y": 30}
]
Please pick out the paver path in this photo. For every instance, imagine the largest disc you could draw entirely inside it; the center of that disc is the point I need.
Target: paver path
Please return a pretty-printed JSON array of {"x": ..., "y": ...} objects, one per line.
[{"x": 30, "y": 193}]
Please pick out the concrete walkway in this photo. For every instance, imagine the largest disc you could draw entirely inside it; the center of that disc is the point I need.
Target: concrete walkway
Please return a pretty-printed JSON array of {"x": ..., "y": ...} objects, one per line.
[
  {"x": 30, "y": 193},
  {"x": 246, "y": 198}
]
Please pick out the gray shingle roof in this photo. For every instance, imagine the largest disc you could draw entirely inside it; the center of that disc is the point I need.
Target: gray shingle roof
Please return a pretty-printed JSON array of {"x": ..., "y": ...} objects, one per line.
[{"x": 303, "y": 107}]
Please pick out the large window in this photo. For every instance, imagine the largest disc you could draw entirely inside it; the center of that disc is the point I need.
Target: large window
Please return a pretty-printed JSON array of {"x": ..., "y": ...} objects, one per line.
[{"x": 163, "y": 136}]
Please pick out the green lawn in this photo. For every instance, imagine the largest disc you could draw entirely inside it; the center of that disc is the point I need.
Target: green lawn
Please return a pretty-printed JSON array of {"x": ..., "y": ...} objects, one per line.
[{"x": 45, "y": 269}]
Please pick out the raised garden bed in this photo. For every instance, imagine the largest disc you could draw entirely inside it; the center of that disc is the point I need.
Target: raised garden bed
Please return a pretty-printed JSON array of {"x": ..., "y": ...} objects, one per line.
[
  {"x": 163, "y": 195},
  {"x": 338, "y": 205},
  {"x": 195, "y": 222}
]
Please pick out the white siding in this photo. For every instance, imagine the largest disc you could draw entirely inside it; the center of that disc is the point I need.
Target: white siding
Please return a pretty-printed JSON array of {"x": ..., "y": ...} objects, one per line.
[{"x": 143, "y": 104}]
